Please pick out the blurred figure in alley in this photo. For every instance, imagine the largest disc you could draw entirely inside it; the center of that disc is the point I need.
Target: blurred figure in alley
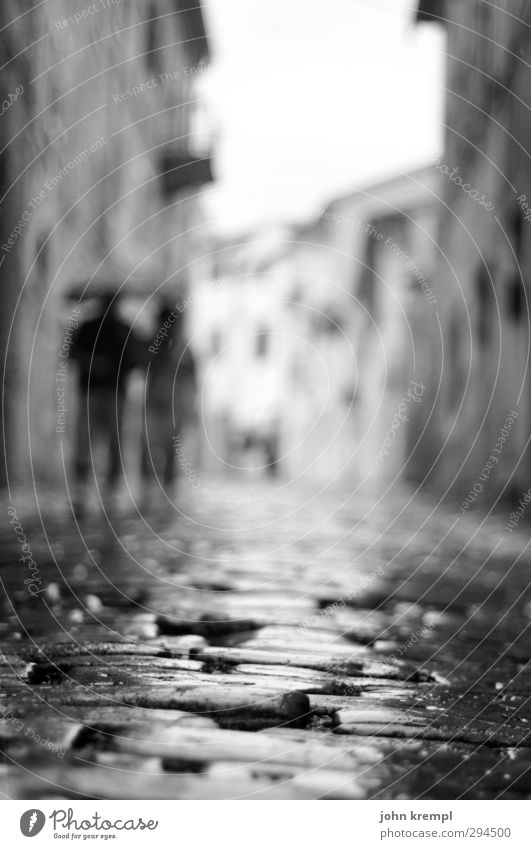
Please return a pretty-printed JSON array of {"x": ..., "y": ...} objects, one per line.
[
  {"x": 106, "y": 350},
  {"x": 169, "y": 403},
  {"x": 255, "y": 444}
]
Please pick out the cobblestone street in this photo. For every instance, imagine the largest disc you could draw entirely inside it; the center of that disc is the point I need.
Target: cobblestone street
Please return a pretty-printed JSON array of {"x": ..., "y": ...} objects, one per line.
[{"x": 293, "y": 647}]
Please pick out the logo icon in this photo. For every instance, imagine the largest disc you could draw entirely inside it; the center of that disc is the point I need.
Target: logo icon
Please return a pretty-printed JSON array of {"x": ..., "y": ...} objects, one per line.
[{"x": 32, "y": 822}]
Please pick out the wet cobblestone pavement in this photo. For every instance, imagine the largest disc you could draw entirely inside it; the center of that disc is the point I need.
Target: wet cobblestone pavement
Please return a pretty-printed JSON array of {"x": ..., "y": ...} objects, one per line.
[{"x": 296, "y": 647}]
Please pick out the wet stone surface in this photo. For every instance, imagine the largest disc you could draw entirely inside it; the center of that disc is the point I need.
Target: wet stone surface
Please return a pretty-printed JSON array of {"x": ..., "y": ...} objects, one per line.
[{"x": 295, "y": 647}]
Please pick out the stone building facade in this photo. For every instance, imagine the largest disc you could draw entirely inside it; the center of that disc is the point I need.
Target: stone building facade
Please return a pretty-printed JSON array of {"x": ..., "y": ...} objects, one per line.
[
  {"x": 94, "y": 149},
  {"x": 320, "y": 336},
  {"x": 481, "y": 366},
  {"x": 363, "y": 278}
]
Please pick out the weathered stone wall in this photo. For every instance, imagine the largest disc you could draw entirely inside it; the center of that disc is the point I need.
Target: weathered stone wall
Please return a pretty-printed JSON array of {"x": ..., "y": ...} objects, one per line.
[
  {"x": 484, "y": 260},
  {"x": 371, "y": 253},
  {"x": 102, "y": 87}
]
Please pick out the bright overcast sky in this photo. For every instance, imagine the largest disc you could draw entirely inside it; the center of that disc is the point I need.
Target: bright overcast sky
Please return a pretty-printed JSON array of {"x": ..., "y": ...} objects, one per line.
[{"x": 313, "y": 98}]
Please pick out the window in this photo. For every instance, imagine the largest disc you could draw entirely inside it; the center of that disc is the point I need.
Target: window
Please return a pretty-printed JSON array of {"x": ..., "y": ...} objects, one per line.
[
  {"x": 262, "y": 344},
  {"x": 215, "y": 343},
  {"x": 152, "y": 40},
  {"x": 515, "y": 299},
  {"x": 517, "y": 229},
  {"x": 367, "y": 289},
  {"x": 484, "y": 302},
  {"x": 458, "y": 358}
]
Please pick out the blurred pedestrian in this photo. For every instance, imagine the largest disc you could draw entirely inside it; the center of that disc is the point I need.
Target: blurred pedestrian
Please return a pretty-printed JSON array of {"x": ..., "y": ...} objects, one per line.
[
  {"x": 170, "y": 401},
  {"x": 106, "y": 350}
]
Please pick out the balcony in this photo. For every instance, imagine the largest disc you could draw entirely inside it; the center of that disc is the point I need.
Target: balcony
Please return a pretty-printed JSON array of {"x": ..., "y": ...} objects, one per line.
[{"x": 183, "y": 170}]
